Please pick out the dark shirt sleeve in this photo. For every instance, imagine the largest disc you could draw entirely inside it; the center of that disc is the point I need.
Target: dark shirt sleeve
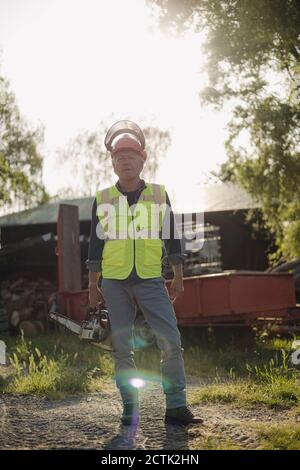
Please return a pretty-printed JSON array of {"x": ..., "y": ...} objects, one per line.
[
  {"x": 93, "y": 263},
  {"x": 170, "y": 236}
]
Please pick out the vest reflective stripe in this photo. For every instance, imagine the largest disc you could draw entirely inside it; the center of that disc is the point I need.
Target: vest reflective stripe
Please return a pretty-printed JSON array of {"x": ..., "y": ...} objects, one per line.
[{"x": 133, "y": 242}]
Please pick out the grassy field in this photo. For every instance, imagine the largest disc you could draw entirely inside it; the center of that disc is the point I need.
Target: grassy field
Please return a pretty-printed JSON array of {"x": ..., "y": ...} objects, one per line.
[
  {"x": 54, "y": 365},
  {"x": 271, "y": 437},
  {"x": 57, "y": 365},
  {"x": 60, "y": 364}
]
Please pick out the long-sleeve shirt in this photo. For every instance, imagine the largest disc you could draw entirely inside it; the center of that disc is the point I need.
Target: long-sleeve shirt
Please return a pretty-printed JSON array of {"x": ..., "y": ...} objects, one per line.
[{"x": 172, "y": 248}]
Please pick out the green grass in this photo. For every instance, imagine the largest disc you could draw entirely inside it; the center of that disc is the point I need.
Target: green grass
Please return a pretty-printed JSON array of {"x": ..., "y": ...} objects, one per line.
[
  {"x": 55, "y": 365},
  {"x": 270, "y": 437},
  {"x": 213, "y": 443},
  {"x": 281, "y": 394},
  {"x": 234, "y": 361},
  {"x": 275, "y": 384},
  {"x": 59, "y": 364},
  {"x": 280, "y": 437}
]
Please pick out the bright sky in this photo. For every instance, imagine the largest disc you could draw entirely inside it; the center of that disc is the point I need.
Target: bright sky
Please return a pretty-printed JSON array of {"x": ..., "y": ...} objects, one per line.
[{"x": 73, "y": 63}]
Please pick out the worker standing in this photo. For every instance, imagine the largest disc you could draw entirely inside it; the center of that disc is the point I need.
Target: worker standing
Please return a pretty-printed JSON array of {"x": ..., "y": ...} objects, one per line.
[{"x": 128, "y": 259}]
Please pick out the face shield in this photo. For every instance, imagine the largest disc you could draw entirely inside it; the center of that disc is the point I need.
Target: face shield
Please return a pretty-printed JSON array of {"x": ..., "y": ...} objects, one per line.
[{"x": 121, "y": 128}]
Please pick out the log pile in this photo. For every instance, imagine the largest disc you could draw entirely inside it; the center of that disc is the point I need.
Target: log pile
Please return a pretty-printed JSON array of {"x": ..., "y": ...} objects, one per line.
[{"x": 26, "y": 303}]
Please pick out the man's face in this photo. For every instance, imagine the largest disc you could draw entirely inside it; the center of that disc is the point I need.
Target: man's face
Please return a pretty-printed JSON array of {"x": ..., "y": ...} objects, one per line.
[{"x": 127, "y": 164}]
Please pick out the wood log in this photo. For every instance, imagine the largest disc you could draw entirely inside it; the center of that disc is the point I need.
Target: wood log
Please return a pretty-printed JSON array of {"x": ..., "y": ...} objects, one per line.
[
  {"x": 32, "y": 328},
  {"x": 40, "y": 315},
  {"x": 17, "y": 316},
  {"x": 39, "y": 326},
  {"x": 26, "y": 299},
  {"x": 28, "y": 328},
  {"x": 16, "y": 283},
  {"x": 14, "y": 318}
]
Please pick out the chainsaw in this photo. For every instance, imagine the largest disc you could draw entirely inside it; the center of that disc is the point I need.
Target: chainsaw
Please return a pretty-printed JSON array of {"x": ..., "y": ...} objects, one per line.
[{"x": 95, "y": 329}]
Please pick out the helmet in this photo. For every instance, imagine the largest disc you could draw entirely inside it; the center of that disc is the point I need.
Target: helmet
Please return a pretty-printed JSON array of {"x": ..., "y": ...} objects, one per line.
[
  {"x": 125, "y": 134},
  {"x": 130, "y": 143},
  {"x": 121, "y": 127}
]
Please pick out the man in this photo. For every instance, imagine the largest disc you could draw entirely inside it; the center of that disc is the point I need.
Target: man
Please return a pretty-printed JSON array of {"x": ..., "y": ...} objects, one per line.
[{"x": 131, "y": 266}]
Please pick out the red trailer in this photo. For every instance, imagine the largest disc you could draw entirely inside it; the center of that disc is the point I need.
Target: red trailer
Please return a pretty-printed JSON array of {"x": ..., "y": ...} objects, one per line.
[
  {"x": 236, "y": 298},
  {"x": 230, "y": 298}
]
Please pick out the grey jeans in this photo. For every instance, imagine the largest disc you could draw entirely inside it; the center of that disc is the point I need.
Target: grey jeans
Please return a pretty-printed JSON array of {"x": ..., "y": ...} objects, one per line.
[{"x": 152, "y": 298}]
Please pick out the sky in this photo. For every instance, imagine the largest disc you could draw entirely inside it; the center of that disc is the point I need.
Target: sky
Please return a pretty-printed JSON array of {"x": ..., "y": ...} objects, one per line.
[{"x": 75, "y": 63}]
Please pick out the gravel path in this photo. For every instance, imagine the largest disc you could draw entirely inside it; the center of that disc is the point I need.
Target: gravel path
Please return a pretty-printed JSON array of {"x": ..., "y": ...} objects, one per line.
[{"x": 93, "y": 422}]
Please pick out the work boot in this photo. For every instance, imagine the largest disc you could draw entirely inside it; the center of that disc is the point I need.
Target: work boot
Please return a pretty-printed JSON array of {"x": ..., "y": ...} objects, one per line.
[
  {"x": 181, "y": 415},
  {"x": 130, "y": 414}
]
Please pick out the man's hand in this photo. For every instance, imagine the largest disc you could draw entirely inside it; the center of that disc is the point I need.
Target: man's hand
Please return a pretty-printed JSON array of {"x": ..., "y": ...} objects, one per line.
[
  {"x": 176, "y": 288},
  {"x": 95, "y": 295}
]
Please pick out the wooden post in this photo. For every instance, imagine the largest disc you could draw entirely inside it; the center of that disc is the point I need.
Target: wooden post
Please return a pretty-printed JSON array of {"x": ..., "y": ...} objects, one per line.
[{"x": 68, "y": 249}]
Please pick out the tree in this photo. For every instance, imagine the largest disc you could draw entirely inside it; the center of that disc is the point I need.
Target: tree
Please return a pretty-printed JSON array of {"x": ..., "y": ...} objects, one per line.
[
  {"x": 89, "y": 161},
  {"x": 252, "y": 51},
  {"x": 21, "y": 183},
  {"x": 157, "y": 143}
]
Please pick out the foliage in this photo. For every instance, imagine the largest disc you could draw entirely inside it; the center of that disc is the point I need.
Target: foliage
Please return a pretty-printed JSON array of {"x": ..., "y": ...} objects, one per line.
[
  {"x": 20, "y": 159},
  {"x": 86, "y": 156},
  {"x": 252, "y": 51}
]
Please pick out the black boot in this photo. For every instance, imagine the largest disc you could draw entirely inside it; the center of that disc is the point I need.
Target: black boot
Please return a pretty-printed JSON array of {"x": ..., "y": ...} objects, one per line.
[
  {"x": 130, "y": 414},
  {"x": 182, "y": 415}
]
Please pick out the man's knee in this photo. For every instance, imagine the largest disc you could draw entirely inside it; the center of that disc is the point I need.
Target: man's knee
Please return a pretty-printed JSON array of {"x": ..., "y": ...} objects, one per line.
[
  {"x": 121, "y": 355},
  {"x": 122, "y": 341},
  {"x": 170, "y": 353}
]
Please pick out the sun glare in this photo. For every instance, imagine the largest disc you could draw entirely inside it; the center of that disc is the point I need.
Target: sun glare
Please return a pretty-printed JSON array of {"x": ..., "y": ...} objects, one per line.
[{"x": 73, "y": 64}]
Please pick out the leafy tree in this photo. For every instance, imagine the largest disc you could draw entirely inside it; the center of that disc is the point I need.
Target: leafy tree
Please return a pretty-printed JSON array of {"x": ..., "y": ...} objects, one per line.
[
  {"x": 89, "y": 161},
  {"x": 157, "y": 143},
  {"x": 252, "y": 50},
  {"x": 21, "y": 183}
]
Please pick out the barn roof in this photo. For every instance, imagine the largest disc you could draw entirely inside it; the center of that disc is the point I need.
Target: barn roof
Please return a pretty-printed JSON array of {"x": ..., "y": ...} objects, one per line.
[{"x": 217, "y": 197}]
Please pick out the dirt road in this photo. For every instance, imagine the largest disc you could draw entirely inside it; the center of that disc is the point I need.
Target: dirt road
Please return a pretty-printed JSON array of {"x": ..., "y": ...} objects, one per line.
[{"x": 92, "y": 422}]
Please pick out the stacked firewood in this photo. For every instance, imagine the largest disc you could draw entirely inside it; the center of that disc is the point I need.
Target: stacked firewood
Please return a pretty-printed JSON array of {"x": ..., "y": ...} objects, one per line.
[{"x": 26, "y": 302}]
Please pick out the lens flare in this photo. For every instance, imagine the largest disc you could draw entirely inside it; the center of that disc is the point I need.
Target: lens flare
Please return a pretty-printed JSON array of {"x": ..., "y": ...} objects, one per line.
[{"x": 137, "y": 382}]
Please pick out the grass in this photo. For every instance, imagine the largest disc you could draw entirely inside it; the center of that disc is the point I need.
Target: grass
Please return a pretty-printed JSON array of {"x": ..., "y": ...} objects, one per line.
[
  {"x": 279, "y": 437},
  {"x": 55, "y": 366},
  {"x": 213, "y": 443},
  {"x": 281, "y": 394},
  {"x": 275, "y": 384},
  {"x": 271, "y": 437},
  {"x": 231, "y": 360},
  {"x": 58, "y": 364}
]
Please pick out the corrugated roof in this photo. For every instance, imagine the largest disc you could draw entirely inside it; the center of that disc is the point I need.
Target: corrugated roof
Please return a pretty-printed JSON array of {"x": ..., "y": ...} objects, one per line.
[
  {"x": 217, "y": 197},
  {"x": 226, "y": 196},
  {"x": 47, "y": 213}
]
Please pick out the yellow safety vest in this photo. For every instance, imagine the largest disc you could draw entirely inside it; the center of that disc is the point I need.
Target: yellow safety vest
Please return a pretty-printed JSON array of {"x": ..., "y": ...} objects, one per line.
[{"x": 132, "y": 237}]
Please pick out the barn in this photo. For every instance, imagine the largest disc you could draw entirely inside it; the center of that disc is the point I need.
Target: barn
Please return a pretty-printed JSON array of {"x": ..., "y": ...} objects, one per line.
[{"x": 29, "y": 238}]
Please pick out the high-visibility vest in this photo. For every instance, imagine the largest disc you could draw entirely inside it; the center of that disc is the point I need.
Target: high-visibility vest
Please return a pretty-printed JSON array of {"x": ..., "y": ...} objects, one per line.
[{"x": 132, "y": 237}]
